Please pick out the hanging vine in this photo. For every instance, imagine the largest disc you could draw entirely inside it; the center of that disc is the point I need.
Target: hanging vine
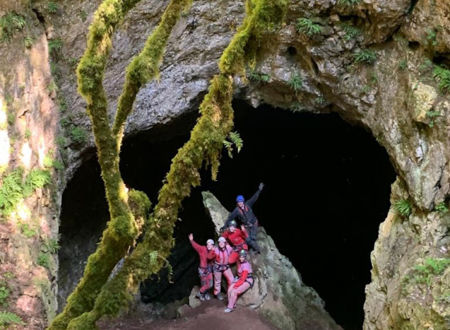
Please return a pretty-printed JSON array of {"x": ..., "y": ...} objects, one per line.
[{"x": 203, "y": 148}]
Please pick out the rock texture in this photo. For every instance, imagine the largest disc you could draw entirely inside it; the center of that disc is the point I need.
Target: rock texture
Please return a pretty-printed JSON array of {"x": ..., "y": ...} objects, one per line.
[
  {"x": 392, "y": 93},
  {"x": 279, "y": 292}
]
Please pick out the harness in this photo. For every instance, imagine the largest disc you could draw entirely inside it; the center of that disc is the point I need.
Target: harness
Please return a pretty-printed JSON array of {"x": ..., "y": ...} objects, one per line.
[
  {"x": 250, "y": 276},
  {"x": 204, "y": 271},
  {"x": 220, "y": 267},
  {"x": 244, "y": 215}
]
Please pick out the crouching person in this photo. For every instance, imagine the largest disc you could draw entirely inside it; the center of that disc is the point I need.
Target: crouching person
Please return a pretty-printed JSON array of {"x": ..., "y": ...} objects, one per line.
[
  {"x": 243, "y": 282},
  {"x": 222, "y": 266},
  {"x": 206, "y": 254}
]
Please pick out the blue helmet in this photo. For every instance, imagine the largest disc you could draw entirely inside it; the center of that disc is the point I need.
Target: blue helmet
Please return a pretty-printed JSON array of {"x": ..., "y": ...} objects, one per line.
[{"x": 240, "y": 198}]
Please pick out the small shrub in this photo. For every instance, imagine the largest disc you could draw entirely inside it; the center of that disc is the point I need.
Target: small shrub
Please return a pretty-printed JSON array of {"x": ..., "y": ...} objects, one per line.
[
  {"x": 432, "y": 115},
  {"x": 441, "y": 207},
  {"x": 28, "y": 42},
  {"x": 365, "y": 56},
  {"x": 442, "y": 75},
  {"x": 308, "y": 27},
  {"x": 11, "y": 23},
  {"x": 4, "y": 294},
  {"x": 431, "y": 37},
  {"x": 52, "y": 7},
  {"x": 7, "y": 318},
  {"x": 296, "y": 82},
  {"x": 258, "y": 76},
  {"x": 78, "y": 135},
  {"x": 348, "y": 2},
  {"x": 35, "y": 179},
  {"x": 351, "y": 32},
  {"x": 27, "y": 231},
  {"x": 55, "y": 45},
  {"x": 44, "y": 260},
  {"x": 403, "y": 207}
]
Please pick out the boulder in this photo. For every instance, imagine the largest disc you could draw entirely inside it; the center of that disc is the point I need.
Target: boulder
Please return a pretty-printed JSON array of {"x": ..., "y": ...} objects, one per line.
[{"x": 279, "y": 292}]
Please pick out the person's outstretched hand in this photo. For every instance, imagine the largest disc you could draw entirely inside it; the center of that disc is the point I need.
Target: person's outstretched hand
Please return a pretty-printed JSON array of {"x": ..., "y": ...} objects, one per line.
[
  {"x": 261, "y": 186},
  {"x": 191, "y": 237},
  {"x": 242, "y": 228}
]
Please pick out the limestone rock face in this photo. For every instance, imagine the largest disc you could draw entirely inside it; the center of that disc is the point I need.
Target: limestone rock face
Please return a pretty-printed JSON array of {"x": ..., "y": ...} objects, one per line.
[{"x": 279, "y": 292}]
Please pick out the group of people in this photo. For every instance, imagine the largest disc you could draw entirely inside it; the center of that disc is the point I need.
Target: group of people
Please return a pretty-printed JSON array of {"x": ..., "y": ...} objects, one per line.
[{"x": 232, "y": 248}]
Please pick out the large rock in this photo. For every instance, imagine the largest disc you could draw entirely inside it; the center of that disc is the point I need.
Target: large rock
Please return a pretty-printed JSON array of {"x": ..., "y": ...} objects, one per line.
[{"x": 278, "y": 292}]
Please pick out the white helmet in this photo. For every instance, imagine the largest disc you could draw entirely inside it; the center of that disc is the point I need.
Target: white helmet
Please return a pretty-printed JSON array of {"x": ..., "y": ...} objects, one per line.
[
  {"x": 222, "y": 239},
  {"x": 210, "y": 241}
]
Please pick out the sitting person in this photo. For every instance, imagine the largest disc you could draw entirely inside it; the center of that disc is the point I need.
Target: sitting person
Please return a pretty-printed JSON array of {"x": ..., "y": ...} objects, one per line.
[
  {"x": 243, "y": 281},
  {"x": 222, "y": 266},
  {"x": 207, "y": 256},
  {"x": 236, "y": 237}
]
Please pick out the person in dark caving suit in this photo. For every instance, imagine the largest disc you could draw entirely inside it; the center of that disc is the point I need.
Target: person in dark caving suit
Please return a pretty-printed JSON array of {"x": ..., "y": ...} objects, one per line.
[{"x": 244, "y": 213}]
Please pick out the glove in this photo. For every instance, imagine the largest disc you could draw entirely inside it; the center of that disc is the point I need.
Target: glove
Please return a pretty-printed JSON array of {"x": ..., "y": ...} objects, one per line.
[{"x": 261, "y": 186}]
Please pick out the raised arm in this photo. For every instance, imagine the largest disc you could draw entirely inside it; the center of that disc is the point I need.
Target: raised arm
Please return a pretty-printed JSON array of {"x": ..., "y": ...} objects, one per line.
[
  {"x": 194, "y": 244},
  {"x": 252, "y": 200}
]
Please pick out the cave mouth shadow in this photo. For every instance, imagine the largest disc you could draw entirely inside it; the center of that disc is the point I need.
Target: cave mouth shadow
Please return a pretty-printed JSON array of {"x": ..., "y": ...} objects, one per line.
[{"x": 327, "y": 188}]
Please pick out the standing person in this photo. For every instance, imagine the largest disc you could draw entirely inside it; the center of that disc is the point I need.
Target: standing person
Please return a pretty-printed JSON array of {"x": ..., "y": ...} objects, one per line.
[
  {"x": 222, "y": 266},
  {"x": 207, "y": 256},
  {"x": 237, "y": 239},
  {"x": 245, "y": 213},
  {"x": 243, "y": 283}
]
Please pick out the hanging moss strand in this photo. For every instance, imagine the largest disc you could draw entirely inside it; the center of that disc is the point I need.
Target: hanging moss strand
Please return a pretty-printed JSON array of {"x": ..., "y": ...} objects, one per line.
[
  {"x": 204, "y": 146},
  {"x": 122, "y": 229}
]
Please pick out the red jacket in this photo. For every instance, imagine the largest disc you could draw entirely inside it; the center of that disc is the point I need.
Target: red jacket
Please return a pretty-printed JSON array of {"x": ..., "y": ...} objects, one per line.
[
  {"x": 236, "y": 238},
  {"x": 205, "y": 255}
]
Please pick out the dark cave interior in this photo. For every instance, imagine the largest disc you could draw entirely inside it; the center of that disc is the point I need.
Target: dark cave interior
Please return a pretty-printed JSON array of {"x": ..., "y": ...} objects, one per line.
[{"x": 327, "y": 187}]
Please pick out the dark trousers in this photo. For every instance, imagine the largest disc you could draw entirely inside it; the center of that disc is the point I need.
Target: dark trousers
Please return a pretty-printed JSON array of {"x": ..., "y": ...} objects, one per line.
[{"x": 251, "y": 239}]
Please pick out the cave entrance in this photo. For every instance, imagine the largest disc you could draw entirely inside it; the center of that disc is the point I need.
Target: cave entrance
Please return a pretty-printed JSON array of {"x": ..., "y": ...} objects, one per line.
[{"x": 327, "y": 190}]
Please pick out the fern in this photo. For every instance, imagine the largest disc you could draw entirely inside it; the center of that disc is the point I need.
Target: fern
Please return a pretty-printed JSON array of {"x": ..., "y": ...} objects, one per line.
[
  {"x": 403, "y": 207},
  {"x": 441, "y": 207},
  {"x": 36, "y": 179},
  {"x": 234, "y": 139},
  {"x": 4, "y": 294},
  {"x": 365, "y": 56},
  {"x": 55, "y": 45},
  {"x": 442, "y": 75},
  {"x": 308, "y": 27},
  {"x": 11, "y": 191},
  {"x": 52, "y": 7},
  {"x": 11, "y": 23},
  {"x": 351, "y": 32},
  {"x": 7, "y": 318},
  {"x": 348, "y": 2},
  {"x": 296, "y": 82}
]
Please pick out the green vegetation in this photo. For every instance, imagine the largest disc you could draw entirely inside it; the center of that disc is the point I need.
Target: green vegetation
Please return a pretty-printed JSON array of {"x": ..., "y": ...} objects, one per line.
[
  {"x": 28, "y": 42},
  {"x": 427, "y": 270},
  {"x": 7, "y": 319},
  {"x": 15, "y": 187},
  {"x": 50, "y": 162},
  {"x": 258, "y": 76},
  {"x": 50, "y": 245},
  {"x": 365, "y": 56},
  {"x": 52, "y": 87},
  {"x": 320, "y": 100},
  {"x": 83, "y": 15},
  {"x": 55, "y": 45},
  {"x": 432, "y": 115},
  {"x": 78, "y": 135},
  {"x": 402, "y": 65},
  {"x": 442, "y": 75},
  {"x": 426, "y": 65},
  {"x": 431, "y": 36},
  {"x": 27, "y": 231},
  {"x": 44, "y": 259},
  {"x": 52, "y": 7},
  {"x": 403, "y": 207},
  {"x": 233, "y": 139},
  {"x": 351, "y": 32},
  {"x": 4, "y": 294},
  {"x": 441, "y": 207},
  {"x": 296, "y": 82},
  {"x": 308, "y": 27},
  {"x": 27, "y": 134},
  {"x": 11, "y": 23},
  {"x": 348, "y": 2}
]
